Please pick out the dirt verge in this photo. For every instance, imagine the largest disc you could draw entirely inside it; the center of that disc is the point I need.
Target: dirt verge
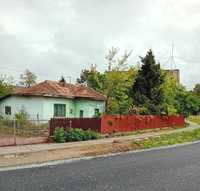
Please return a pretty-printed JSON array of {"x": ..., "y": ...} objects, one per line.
[{"x": 61, "y": 154}]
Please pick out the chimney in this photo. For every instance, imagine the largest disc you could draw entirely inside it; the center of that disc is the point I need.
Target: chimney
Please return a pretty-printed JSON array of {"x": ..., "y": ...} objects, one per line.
[{"x": 62, "y": 81}]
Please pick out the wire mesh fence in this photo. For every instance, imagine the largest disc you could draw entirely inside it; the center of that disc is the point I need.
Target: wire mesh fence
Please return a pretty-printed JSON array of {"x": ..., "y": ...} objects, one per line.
[{"x": 19, "y": 132}]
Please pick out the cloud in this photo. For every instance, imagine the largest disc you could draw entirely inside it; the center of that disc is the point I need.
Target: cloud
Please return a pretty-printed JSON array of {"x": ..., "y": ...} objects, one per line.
[{"x": 55, "y": 38}]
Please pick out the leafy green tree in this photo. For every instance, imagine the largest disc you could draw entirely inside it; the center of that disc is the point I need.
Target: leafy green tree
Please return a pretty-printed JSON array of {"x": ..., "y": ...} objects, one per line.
[
  {"x": 92, "y": 78},
  {"x": 192, "y": 104},
  {"x": 118, "y": 81},
  {"x": 110, "y": 57},
  {"x": 6, "y": 85},
  {"x": 28, "y": 78},
  {"x": 147, "y": 90},
  {"x": 177, "y": 99},
  {"x": 116, "y": 62},
  {"x": 170, "y": 89},
  {"x": 187, "y": 102},
  {"x": 115, "y": 83},
  {"x": 196, "y": 89},
  {"x": 117, "y": 86}
]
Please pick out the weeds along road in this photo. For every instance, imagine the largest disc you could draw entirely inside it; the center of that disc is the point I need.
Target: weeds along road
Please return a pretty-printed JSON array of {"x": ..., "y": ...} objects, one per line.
[{"x": 169, "y": 169}]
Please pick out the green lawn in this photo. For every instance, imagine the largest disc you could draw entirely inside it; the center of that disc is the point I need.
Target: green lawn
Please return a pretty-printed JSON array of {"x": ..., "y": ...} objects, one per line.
[
  {"x": 195, "y": 119},
  {"x": 169, "y": 139}
]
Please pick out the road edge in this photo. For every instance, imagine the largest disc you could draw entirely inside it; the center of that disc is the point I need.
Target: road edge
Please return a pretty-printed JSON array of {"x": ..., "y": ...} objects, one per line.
[{"x": 65, "y": 161}]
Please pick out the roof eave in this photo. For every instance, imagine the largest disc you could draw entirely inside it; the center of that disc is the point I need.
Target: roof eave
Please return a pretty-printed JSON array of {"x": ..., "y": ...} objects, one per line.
[
  {"x": 4, "y": 97},
  {"x": 91, "y": 98},
  {"x": 42, "y": 95}
]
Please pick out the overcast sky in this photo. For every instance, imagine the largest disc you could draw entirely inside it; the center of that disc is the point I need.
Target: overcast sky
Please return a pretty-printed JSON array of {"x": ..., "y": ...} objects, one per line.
[{"x": 61, "y": 37}]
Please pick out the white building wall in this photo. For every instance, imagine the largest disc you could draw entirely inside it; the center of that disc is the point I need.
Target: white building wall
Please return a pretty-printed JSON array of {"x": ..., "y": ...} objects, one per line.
[{"x": 32, "y": 105}]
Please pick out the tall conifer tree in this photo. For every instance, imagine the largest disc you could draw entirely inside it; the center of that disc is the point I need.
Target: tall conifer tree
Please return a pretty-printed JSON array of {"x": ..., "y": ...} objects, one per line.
[{"x": 147, "y": 90}]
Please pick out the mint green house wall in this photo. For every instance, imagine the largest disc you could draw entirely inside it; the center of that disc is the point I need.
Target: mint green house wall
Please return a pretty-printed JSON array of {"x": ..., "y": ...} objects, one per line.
[
  {"x": 48, "y": 107},
  {"x": 43, "y": 107},
  {"x": 88, "y": 107}
]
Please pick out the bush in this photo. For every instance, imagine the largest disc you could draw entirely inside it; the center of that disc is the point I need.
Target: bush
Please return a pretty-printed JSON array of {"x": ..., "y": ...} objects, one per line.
[
  {"x": 21, "y": 117},
  {"x": 91, "y": 135},
  {"x": 74, "y": 135},
  {"x": 59, "y": 135},
  {"x": 71, "y": 135},
  {"x": 80, "y": 135}
]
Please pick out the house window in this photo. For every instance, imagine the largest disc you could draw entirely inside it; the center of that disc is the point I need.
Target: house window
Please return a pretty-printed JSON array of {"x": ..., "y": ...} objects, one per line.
[
  {"x": 81, "y": 113},
  {"x": 96, "y": 112},
  {"x": 7, "y": 110},
  {"x": 71, "y": 111},
  {"x": 59, "y": 110}
]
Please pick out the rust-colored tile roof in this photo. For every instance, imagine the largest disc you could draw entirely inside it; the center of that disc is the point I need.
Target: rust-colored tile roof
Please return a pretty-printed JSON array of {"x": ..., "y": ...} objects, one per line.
[{"x": 57, "y": 89}]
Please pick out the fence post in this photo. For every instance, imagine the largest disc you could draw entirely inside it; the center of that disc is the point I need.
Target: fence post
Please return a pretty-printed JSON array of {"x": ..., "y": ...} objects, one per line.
[
  {"x": 50, "y": 127},
  {"x": 70, "y": 124},
  {"x": 14, "y": 130},
  {"x": 38, "y": 121}
]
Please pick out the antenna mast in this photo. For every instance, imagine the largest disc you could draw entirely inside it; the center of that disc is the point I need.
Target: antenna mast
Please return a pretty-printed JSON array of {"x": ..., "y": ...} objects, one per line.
[{"x": 172, "y": 61}]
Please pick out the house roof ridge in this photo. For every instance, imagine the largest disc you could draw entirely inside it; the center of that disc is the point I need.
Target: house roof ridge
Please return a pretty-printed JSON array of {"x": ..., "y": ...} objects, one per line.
[{"x": 50, "y": 88}]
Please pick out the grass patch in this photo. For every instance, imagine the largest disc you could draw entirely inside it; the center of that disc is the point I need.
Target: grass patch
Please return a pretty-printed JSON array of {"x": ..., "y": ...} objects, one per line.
[
  {"x": 27, "y": 129},
  {"x": 195, "y": 119},
  {"x": 137, "y": 132},
  {"x": 169, "y": 139}
]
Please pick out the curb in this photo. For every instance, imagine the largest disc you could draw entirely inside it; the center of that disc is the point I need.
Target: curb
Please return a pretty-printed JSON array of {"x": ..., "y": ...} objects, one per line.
[{"x": 66, "y": 161}]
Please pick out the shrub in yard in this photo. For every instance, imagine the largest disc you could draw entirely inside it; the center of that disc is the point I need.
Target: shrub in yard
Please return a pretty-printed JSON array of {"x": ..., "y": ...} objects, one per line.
[
  {"x": 80, "y": 135},
  {"x": 90, "y": 135},
  {"x": 59, "y": 135},
  {"x": 74, "y": 135},
  {"x": 21, "y": 117}
]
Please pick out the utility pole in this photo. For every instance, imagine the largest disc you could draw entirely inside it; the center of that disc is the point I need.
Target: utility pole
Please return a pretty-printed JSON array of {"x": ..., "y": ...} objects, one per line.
[
  {"x": 172, "y": 56},
  {"x": 172, "y": 61}
]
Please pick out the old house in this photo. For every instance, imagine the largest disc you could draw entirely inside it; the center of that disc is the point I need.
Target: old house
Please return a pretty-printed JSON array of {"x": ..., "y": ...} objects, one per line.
[{"x": 53, "y": 99}]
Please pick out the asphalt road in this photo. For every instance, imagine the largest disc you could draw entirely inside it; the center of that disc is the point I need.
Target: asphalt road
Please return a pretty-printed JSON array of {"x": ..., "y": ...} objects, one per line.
[{"x": 176, "y": 169}]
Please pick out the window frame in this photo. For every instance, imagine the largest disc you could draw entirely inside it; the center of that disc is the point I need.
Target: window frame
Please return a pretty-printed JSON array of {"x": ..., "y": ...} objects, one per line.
[
  {"x": 96, "y": 111},
  {"x": 81, "y": 113},
  {"x": 59, "y": 110},
  {"x": 6, "y": 111}
]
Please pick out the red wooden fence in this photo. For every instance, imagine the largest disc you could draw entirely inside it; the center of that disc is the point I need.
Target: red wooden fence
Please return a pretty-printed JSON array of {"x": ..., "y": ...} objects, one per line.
[
  {"x": 125, "y": 123},
  {"x": 118, "y": 123},
  {"x": 93, "y": 124}
]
